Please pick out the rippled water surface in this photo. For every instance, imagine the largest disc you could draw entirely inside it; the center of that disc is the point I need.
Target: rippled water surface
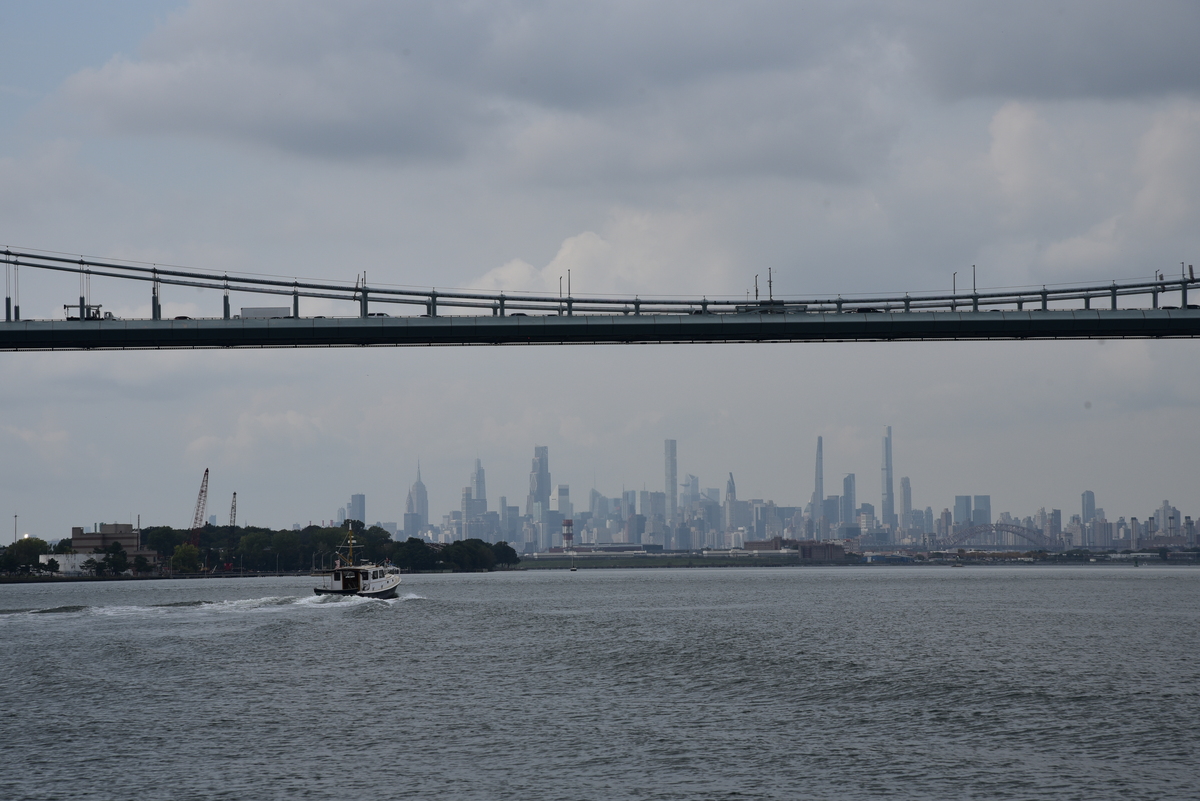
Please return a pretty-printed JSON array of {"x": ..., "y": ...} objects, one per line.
[{"x": 1056, "y": 683}]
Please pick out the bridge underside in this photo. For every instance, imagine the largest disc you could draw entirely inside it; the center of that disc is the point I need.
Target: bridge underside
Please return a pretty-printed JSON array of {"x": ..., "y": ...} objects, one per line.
[{"x": 599, "y": 329}]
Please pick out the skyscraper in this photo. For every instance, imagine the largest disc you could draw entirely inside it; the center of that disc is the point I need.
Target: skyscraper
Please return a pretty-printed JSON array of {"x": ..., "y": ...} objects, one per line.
[
  {"x": 418, "y": 501},
  {"x": 1089, "y": 506},
  {"x": 818, "y": 497},
  {"x": 672, "y": 479},
  {"x": 981, "y": 515},
  {"x": 849, "y": 501},
  {"x": 888, "y": 510},
  {"x": 730, "y": 504},
  {"x": 479, "y": 487},
  {"x": 962, "y": 510},
  {"x": 539, "y": 481},
  {"x": 562, "y": 501},
  {"x": 906, "y": 510},
  {"x": 357, "y": 508}
]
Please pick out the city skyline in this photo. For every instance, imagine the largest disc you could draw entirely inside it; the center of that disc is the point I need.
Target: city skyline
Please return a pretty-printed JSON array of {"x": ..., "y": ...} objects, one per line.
[
  {"x": 798, "y": 471},
  {"x": 829, "y": 521}
]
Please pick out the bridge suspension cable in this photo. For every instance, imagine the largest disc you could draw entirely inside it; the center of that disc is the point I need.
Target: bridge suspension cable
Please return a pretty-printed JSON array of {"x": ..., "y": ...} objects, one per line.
[{"x": 502, "y": 303}]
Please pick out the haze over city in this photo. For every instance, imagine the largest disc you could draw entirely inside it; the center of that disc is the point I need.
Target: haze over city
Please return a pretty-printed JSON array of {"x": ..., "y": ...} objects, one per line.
[{"x": 844, "y": 149}]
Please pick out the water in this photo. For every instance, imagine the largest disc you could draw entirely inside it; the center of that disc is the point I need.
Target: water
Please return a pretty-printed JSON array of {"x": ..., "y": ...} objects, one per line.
[{"x": 838, "y": 683}]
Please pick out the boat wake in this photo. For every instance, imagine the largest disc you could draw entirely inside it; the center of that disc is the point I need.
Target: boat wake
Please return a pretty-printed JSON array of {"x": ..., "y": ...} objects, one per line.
[{"x": 242, "y": 605}]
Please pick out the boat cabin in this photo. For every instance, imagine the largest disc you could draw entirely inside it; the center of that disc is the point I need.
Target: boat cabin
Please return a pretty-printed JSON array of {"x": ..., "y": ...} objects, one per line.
[{"x": 377, "y": 581}]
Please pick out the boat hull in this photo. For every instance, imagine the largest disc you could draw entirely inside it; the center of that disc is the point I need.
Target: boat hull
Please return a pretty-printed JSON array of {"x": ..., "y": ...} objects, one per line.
[{"x": 389, "y": 592}]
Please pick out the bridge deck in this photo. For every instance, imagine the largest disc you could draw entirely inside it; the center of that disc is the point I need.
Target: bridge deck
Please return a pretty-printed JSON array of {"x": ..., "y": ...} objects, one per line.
[{"x": 599, "y": 329}]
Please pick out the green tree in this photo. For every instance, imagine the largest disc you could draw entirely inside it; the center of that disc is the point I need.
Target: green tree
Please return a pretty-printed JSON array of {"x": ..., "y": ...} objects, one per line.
[
  {"x": 252, "y": 547},
  {"x": 287, "y": 545},
  {"x": 141, "y": 564},
  {"x": 163, "y": 539},
  {"x": 186, "y": 558},
  {"x": 376, "y": 543},
  {"x": 115, "y": 560},
  {"x": 504, "y": 553},
  {"x": 52, "y": 565},
  {"x": 63, "y": 546},
  {"x": 22, "y": 555},
  {"x": 92, "y": 566},
  {"x": 468, "y": 556},
  {"x": 415, "y": 555}
]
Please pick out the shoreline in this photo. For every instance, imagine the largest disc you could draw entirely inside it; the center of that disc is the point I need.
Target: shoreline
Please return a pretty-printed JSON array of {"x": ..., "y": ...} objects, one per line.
[{"x": 618, "y": 563}]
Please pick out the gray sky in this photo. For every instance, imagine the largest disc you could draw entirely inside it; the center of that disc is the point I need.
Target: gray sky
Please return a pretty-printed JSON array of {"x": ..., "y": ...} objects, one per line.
[{"x": 674, "y": 148}]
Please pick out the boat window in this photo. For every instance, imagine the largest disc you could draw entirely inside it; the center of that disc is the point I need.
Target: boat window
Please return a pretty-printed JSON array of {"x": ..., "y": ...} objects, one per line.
[{"x": 337, "y": 575}]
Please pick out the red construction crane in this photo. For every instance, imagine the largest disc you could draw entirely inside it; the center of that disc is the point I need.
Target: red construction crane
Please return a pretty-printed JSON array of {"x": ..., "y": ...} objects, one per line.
[{"x": 201, "y": 504}]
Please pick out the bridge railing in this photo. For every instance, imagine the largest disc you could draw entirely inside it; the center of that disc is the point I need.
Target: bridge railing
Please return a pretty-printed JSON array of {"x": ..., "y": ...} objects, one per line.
[{"x": 433, "y": 302}]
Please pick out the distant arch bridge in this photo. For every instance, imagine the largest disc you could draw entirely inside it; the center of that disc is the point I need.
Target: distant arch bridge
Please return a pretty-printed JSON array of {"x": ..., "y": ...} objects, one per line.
[{"x": 1029, "y": 535}]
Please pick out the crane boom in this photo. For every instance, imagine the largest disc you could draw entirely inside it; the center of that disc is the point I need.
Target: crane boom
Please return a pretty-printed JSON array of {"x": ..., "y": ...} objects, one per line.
[
  {"x": 201, "y": 505},
  {"x": 233, "y": 512}
]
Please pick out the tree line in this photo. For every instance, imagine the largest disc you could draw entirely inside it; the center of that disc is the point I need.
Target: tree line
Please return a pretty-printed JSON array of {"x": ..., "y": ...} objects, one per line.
[
  {"x": 232, "y": 549},
  {"x": 225, "y": 549}
]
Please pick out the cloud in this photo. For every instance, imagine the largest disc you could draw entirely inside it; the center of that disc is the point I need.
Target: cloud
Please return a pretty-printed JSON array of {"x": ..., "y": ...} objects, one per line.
[
  {"x": 637, "y": 253},
  {"x": 650, "y": 90},
  {"x": 640, "y": 88},
  {"x": 1072, "y": 49}
]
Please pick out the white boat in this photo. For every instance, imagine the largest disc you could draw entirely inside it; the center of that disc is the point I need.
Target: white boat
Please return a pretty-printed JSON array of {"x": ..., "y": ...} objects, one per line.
[{"x": 363, "y": 579}]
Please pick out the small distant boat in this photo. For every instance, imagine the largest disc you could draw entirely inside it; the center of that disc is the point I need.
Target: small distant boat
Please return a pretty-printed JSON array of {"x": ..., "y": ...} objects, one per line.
[{"x": 364, "y": 579}]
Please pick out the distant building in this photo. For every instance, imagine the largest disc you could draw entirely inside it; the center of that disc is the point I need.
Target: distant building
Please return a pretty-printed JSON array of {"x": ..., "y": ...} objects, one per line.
[
  {"x": 672, "y": 481},
  {"x": 357, "y": 508},
  {"x": 888, "y": 510},
  {"x": 981, "y": 515},
  {"x": 962, "y": 510},
  {"x": 539, "y": 481},
  {"x": 737, "y": 513},
  {"x": 479, "y": 485},
  {"x": 831, "y": 511},
  {"x": 562, "y": 501},
  {"x": 808, "y": 550},
  {"x": 849, "y": 501},
  {"x": 1089, "y": 506},
  {"x": 906, "y": 510},
  {"x": 102, "y": 536},
  {"x": 418, "y": 504},
  {"x": 818, "y": 496}
]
